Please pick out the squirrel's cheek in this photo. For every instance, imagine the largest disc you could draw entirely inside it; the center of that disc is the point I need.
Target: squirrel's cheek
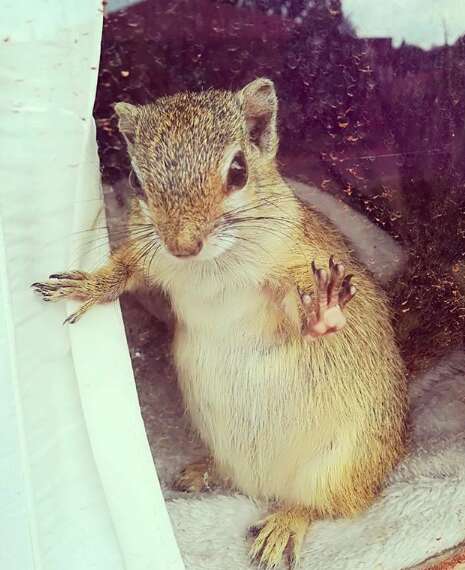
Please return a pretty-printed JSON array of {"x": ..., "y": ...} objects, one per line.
[
  {"x": 214, "y": 248},
  {"x": 238, "y": 199}
]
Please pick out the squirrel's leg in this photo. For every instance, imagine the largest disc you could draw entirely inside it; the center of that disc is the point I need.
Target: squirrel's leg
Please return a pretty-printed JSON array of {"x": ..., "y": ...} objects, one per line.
[
  {"x": 198, "y": 476},
  {"x": 101, "y": 286},
  {"x": 323, "y": 311},
  {"x": 281, "y": 533}
]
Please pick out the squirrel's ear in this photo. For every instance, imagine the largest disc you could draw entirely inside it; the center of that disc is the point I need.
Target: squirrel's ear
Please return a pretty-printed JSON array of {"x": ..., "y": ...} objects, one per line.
[
  {"x": 127, "y": 120},
  {"x": 260, "y": 106}
]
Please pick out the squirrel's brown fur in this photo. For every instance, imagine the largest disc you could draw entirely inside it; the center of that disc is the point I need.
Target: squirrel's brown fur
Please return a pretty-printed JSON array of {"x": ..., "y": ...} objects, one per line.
[{"x": 313, "y": 424}]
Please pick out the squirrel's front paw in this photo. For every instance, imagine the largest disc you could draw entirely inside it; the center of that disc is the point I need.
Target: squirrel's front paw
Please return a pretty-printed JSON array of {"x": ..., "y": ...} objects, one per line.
[
  {"x": 324, "y": 310},
  {"x": 70, "y": 285}
]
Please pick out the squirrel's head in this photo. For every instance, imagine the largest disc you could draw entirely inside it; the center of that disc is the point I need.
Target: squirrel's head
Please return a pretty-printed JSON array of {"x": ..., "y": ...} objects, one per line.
[{"x": 201, "y": 160}]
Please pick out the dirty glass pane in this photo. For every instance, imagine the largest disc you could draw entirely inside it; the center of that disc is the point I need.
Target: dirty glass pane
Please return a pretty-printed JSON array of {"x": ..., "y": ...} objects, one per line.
[{"x": 371, "y": 112}]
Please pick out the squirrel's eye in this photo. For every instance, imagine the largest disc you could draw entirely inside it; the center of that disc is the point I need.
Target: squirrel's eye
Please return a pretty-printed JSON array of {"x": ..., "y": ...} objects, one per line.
[{"x": 237, "y": 174}]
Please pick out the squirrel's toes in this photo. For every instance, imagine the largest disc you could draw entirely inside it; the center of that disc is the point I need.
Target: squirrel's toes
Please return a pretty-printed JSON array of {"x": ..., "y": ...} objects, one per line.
[
  {"x": 324, "y": 309},
  {"x": 278, "y": 535},
  {"x": 71, "y": 285}
]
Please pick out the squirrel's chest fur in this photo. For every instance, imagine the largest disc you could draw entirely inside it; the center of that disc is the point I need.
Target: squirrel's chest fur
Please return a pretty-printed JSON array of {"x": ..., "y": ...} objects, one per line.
[{"x": 252, "y": 393}]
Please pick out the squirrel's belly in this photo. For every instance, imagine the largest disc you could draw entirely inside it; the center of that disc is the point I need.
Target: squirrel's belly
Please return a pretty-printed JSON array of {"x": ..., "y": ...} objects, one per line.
[{"x": 254, "y": 407}]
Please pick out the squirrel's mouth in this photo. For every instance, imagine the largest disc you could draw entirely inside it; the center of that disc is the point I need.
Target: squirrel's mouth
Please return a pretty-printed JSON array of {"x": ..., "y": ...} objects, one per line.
[
  {"x": 185, "y": 250},
  {"x": 203, "y": 251}
]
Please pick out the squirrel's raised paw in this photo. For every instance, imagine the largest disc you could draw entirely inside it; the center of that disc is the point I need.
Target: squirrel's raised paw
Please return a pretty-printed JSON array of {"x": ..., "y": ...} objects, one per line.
[
  {"x": 70, "y": 285},
  {"x": 278, "y": 535},
  {"x": 324, "y": 309}
]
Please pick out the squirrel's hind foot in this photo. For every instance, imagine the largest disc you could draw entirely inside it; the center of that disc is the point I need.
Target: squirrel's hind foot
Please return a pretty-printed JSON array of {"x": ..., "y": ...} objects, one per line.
[{"x": 279, "y": 535}]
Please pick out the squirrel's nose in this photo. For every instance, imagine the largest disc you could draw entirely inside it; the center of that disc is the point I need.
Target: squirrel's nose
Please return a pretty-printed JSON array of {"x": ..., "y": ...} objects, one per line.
[{"x": 187, "y": 250}]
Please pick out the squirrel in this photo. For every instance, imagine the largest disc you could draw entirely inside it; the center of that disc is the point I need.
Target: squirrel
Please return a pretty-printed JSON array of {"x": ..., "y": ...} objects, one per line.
[{"x": 291, "y": 375}]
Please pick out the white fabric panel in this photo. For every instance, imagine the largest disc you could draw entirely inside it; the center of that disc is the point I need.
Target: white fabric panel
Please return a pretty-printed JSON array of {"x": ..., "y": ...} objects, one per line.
[{"x": 78, "y": 489}]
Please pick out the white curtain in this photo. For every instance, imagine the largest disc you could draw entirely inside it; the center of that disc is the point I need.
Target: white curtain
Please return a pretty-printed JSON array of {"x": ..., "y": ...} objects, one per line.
[{"x": 78, "y": 489}]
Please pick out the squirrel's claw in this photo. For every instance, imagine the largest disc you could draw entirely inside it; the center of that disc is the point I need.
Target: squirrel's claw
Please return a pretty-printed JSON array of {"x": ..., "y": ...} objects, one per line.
[
  {"x": 74, "y": 317},
  {"x": 277, "y": 534},
  {"x": 70, "y": 285},
  {"x": 323, "y": 310}
]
